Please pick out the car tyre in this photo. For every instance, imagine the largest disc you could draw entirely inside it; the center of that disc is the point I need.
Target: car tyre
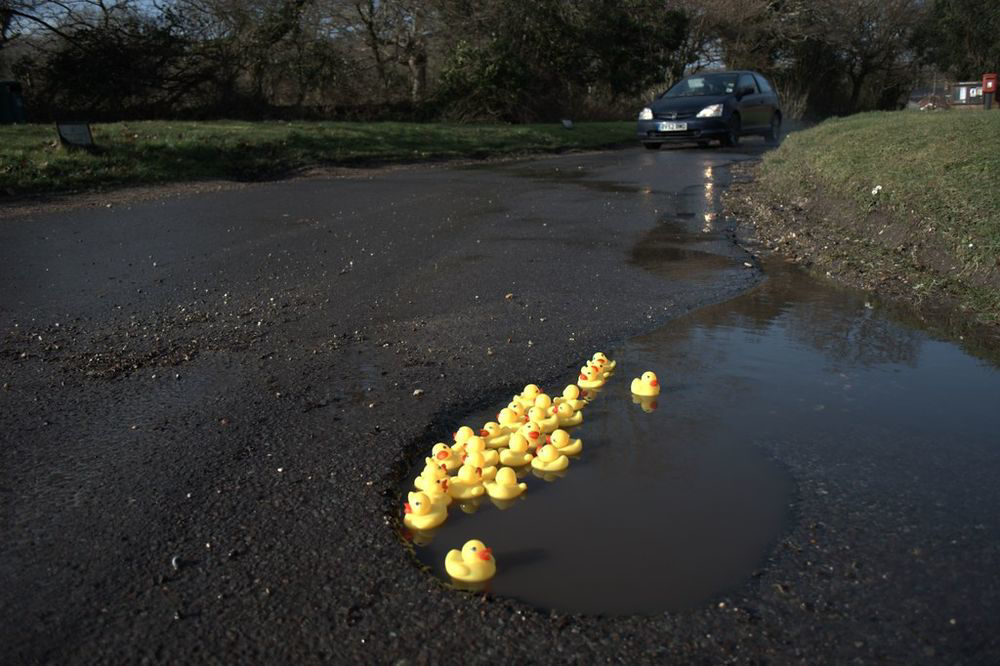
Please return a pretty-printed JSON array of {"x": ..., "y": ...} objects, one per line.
[
  {"x": 651, "y": 146},
  {"x": 773, "y": 134},
  {"x": 732, "y": 136}
]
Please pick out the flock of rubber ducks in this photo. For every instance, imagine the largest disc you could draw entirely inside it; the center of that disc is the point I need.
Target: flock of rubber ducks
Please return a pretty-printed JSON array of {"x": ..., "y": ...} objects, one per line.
[{"x": 532, "y": 432}]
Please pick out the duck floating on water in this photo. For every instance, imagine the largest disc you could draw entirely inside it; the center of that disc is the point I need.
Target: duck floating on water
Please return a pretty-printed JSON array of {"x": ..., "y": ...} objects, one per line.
[
  {"x": 550, "y": 460},
  {"x": 505, "y": 486},
  {"x": 467, "y": 484},
  {"x": 420, "y": 513},
  {"x": 516, "y": 454},
  {"x": 567, "y": 417},
  {"x": 496, "y": 436},
  {"x": 478, "y": 445},
  {"x": 431, "y": 473},
  {"x": 564, "y": 444},
  {"x": 486, "y": 471},
  {"x": 571, "y": 396},
  {"x": 527, "y": 396},
  {"x": 590, "y": 378},
  {"x": 438, "y": 491},
  {"x": 509, "y": 419},
  {"x": 647, "y": 385},
  {"x": 603, "y": 362},
  {"x": 473, "y": 564},
  {"x": 546, "y": 422},
  {"x": 442, "y": 454},
  {"x": 532, "y": 433}
]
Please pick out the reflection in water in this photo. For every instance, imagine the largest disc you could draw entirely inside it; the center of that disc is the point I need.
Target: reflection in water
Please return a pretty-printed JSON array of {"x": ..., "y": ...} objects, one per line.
[
  {"x": 666, "y": 508},
  {"x": 647, "y": 403}
]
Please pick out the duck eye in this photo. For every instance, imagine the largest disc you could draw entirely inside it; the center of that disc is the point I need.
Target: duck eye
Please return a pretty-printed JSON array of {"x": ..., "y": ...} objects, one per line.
[{"x": 473, "y": 549}]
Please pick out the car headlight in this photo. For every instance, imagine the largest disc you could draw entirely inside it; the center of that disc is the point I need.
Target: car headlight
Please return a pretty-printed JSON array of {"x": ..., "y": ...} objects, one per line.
[
  {"x": 646, "y": 114},
  {"x": 713, "y": 111}
]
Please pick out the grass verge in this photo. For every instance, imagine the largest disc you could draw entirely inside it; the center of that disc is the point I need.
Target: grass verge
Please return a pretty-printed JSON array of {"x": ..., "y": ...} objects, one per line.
[
  {"x": 903, "y": 203},
  {"x": 134, "y": 153}
]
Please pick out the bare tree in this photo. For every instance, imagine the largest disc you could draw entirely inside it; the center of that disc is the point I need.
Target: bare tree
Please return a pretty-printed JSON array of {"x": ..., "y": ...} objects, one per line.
[{"x": 872, "y": 38}]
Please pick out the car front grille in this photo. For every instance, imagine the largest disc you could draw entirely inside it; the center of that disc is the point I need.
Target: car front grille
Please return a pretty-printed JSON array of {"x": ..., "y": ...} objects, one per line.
[{"x": 674, "y": 115}]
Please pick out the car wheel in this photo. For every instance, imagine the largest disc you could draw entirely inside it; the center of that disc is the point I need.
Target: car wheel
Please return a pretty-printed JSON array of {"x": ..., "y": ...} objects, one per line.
[
  {"x": 732, "y": 136},
  {"x": 651, "y": 146},
  {"x": 773, "y": 135}
]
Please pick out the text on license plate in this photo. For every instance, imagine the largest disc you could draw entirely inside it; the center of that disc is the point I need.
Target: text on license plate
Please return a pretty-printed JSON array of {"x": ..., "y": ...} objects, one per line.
[{"x": 672, "y": 127}]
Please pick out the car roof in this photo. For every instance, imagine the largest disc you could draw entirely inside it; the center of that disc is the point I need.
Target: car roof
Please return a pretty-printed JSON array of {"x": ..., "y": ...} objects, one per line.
[{"x": 724, "y": 71}]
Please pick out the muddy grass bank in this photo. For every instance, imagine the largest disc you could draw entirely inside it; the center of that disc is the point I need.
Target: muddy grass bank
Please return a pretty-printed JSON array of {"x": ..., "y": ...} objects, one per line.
[{"x": 897, "y": 204}]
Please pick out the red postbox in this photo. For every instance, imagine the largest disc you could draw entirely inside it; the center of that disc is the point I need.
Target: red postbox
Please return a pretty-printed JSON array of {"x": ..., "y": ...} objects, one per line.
[{"x": 989, "y": 89}]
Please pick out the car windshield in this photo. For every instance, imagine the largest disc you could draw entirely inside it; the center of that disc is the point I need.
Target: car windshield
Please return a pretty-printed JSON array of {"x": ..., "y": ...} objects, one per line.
[{"x": 703, "y": 85}]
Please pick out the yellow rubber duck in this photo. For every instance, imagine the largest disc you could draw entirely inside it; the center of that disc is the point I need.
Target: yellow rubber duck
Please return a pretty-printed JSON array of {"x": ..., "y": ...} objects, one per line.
[
  {"x": 505, "y": 486},
  {"x": 420, "y": 513},
  {"x": 516, "y": 454},
  {"x": 571, "y": 396},
  {"x": 476, "y": 459},
  {"x": 532, "y": 433},
  {"x": 547, "y": 422},
  {"x": 461, "y": 436},
  {"x": 566, "y": 416},
  {"x": 431, "y": 473},
  {"x": 438, "y": 491},
  {"x": 564, "y": 444},
  {"x": 467, "y": 484},
  {"x": 496, "y": 436},
  {"x": 473, "y": 564},
  {"x": 509, "y": 419},
  {"x": 519, "y": 409},
  {"x": 544, "y": 401},
  {"x": 550, "y": 460},
  {"x": 646, "y": 402},
  {"x": 590, "y": 378},
  {"x": 442, "y": 454},
  {"x": 527, "y": 396},
  {"x": 478, "y": 445},
  {"x": 647, "y": 385},
  {"x": 603, "y": 362},
  {"x": 603, "y": 374}
]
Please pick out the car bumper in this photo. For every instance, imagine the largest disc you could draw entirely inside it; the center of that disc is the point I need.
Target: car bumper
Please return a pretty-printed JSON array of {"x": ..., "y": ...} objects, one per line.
[{"x": 695, "y": 129}]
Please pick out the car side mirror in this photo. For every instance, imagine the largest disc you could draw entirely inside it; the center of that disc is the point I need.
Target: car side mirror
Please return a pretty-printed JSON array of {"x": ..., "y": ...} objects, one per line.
[{"x": 745, "y": 90}]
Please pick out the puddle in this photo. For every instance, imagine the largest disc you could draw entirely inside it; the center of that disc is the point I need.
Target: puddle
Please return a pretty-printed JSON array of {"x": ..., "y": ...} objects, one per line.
[
  {"x": 666, "y": 509},
  {"x": 671, "y": 251}
]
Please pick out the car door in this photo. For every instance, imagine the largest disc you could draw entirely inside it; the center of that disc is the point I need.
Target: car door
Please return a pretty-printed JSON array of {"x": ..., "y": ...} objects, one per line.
[
  {"x": 752, "y": 106},
  {"x": 768, "y": 97}
]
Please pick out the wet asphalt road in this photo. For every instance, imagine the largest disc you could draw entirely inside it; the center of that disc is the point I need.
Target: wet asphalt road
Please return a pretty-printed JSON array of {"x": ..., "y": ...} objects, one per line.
[{"x": 208, "y": 406}]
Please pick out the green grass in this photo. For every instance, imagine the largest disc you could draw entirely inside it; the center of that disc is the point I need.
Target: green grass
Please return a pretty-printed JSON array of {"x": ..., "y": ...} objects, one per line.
[
  {"x": 939, "y": 174},
  {"x": 33, "y": 162}
]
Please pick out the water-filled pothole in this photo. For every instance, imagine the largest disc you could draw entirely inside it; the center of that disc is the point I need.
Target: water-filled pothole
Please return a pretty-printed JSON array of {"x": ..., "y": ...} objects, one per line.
[
  {"x": 670, "y": 508},
  {"x": 655, "y": 514}
]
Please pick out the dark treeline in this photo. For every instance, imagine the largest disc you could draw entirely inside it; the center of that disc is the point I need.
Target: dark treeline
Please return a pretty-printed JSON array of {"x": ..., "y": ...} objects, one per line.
[{"x": 509, "y": 60}]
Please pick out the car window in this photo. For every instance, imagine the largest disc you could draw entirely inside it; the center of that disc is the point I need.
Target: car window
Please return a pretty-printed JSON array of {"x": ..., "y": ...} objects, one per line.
[
  {"x": 746, "y": 81},
  {"x": 702, "y": 85},
  {"x": 762, "y": 82}
]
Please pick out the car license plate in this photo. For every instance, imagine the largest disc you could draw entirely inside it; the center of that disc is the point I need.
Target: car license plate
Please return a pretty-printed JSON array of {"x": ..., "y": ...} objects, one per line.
[{"x": 672, "y": 127}]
